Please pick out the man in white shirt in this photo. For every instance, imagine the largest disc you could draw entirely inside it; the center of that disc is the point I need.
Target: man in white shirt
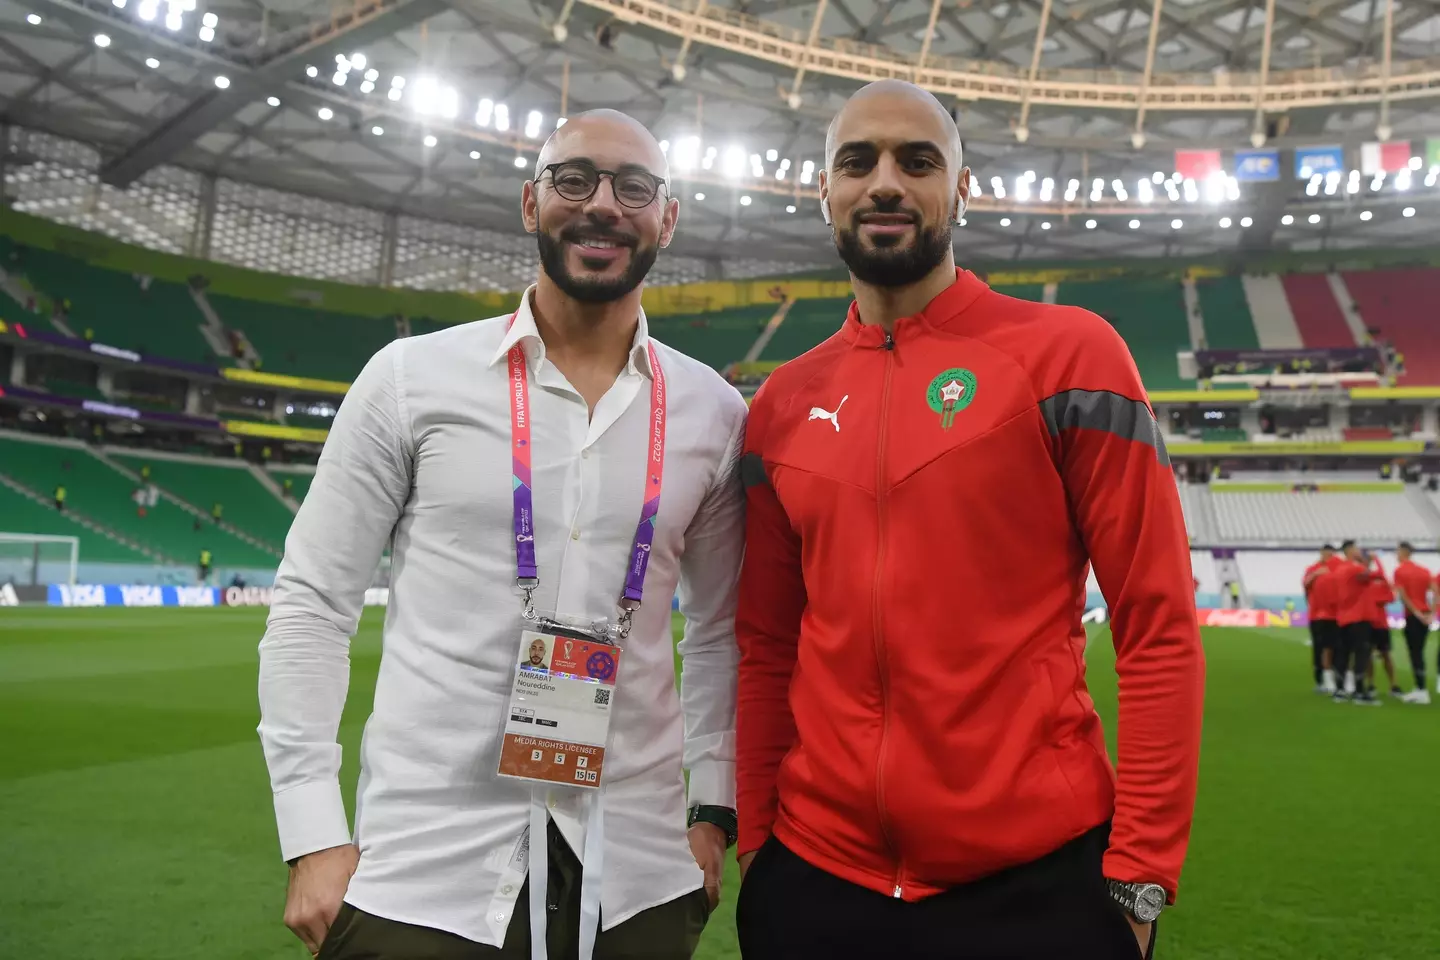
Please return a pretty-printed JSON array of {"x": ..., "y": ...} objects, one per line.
[{"x": 417, "y": 459}]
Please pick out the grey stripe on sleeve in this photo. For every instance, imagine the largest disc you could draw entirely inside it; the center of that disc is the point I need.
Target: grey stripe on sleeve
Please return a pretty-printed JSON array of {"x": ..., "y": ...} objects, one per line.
[
  {"x": 752, "y": 470},
  {"x": 1103, "y": 410}
]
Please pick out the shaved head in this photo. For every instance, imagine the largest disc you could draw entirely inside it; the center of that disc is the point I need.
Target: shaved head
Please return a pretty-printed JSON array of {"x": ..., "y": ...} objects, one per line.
[
  {"x": 948, "y": 133},
  {"x": 562, "y": 144}
]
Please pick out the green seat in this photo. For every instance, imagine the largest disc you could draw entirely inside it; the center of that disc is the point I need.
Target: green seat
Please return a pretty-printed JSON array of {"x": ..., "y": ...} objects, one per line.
[
  {"x": 22, "y": 515},
  {"x": 808, "y": 324},
  {"x": 305, "y": 342},
  {"x": 246, "y": 504},
  {"x": 1149, "y": 313},
  {"x": 299, "y": 482},
  {"x": 1228, "y": 323},
  {"x": 718, "y": 338},
  {"x": 162, "y": 320}
]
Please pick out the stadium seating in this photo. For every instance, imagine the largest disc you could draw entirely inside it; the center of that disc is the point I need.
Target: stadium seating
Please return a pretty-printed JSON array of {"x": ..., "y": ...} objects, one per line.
[
  {"x": 809, "y": 322},
  {"x": 718, "y": 338},
  {"x": 1312, "y": 518},
  {"x": 1401, "y": 305},
  {"x": 299, "y": 482},
  {"x": 1274, "y": 323},
  {"x": 246, "y": 504},
  {"x": 1317, "y": 315},
  {"x": 105, "y": 495},
  {"x": 23, "y": 515},
  {"x": 1149, "y": 313},
  {"x": 1228, "y": 324},
  {"x": 305, "y": 342},
  {"x": 161, "y": 320}
]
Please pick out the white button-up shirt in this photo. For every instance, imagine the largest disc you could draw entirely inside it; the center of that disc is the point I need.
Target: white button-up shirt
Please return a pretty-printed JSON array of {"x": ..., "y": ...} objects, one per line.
[{"x": 419, "y": 458}]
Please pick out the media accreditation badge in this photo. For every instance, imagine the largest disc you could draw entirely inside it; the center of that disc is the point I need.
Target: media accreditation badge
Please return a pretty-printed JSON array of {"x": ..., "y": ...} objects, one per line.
[{"x": 560, "y": 706}]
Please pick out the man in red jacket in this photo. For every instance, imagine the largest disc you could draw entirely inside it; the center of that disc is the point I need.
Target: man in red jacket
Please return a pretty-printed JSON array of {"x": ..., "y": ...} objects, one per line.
[
  {"x": 1354, "y": 608},
  {"x": 920, "y": 768},
  {"x": 1415, "y": 584},
  {"x": 1320, "y": 608},
  {"x": 1380, "y": 595}
]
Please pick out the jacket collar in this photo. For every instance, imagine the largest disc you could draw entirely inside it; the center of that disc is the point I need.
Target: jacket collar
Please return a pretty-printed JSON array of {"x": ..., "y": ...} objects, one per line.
[{"x": 947, "y": 305}]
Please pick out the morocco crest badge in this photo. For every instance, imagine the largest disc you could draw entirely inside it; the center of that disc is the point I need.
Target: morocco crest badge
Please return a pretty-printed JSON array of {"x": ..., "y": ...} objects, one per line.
[{"x": 949, "y": 393}]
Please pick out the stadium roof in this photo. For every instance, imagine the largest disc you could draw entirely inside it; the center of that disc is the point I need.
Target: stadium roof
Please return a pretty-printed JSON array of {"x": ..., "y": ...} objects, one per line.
[{"x": 272, "y": 93}]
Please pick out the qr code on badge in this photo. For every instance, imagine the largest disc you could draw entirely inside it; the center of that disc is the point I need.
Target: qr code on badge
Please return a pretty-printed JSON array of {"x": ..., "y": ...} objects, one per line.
[{"x": 602, "y": 697}]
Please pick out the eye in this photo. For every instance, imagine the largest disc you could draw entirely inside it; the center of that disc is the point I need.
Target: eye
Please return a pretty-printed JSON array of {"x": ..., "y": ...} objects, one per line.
[
  {"x": 855, "y": 164},
  {"x": 920, "y": 164}
]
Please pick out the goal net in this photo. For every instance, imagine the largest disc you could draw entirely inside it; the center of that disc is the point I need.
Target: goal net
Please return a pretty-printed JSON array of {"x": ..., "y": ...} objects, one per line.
[{"x": 38, "y": 558}]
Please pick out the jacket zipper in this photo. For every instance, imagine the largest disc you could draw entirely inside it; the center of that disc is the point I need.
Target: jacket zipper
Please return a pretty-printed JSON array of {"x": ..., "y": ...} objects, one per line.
[{"x": 880, "y": 498}]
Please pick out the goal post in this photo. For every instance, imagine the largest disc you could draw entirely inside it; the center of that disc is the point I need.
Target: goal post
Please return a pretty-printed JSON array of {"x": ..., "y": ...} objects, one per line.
[{"x": 38, "y": 558}]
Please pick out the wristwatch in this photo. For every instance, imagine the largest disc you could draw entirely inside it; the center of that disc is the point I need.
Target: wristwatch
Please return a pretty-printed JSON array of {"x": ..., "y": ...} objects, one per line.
[
  {"x": 722, "y": 817},
  {"x": 1143, "y": 901}
]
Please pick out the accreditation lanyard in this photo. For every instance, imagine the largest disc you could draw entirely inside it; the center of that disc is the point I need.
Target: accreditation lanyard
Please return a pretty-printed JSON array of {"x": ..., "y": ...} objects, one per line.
[{"x": 527, "y": 573}]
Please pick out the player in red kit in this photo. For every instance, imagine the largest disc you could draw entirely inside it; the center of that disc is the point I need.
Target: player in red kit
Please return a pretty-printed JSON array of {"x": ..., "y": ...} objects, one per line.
[
  {"x": 1320, "y": 607},
  {"x": 1380, "y": 595},
  {"x": 1353, "y": 613},
  {"x": 1416, "y": 587},
  {"x": 920, "y": 769}
]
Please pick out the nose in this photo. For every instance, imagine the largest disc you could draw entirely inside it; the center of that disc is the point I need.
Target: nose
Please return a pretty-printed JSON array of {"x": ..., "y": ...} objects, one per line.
[
  {"x": 886, "y": 183},
  {"x": 602, "y": 205}
]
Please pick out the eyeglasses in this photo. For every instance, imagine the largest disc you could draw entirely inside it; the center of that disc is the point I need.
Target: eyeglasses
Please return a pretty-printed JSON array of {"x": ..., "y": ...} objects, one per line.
[{"x": 577, "y": 181}]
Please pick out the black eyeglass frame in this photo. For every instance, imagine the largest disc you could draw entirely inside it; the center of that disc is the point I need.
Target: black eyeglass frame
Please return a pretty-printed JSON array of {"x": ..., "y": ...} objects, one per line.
[{"x": 657, "y": 182}]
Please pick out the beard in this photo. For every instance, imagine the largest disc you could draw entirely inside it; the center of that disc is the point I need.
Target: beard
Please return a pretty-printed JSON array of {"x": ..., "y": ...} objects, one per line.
[
  {"x": 889, "y": 265},
  {"x": 552, "y": 261}
]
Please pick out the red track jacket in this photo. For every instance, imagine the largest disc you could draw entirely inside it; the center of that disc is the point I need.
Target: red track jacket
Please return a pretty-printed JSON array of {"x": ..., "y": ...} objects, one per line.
[{"x": 912, "y": 705}]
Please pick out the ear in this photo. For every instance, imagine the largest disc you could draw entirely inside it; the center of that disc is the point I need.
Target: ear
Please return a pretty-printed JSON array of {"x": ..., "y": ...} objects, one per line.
[
  {"x": 962, "y": 193},
  {"x": 530, "y": 207},
  {"x": 668, "y": 220},
  {"x": 825, "y": 197}
]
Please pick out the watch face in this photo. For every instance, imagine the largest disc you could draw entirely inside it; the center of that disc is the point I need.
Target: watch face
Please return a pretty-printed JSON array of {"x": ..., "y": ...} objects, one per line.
[{"x": 1149, "y": 901}]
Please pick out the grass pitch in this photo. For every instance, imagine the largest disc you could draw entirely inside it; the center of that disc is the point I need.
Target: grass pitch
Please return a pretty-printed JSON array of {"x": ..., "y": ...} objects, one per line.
[{"x": 135, "y": 816}]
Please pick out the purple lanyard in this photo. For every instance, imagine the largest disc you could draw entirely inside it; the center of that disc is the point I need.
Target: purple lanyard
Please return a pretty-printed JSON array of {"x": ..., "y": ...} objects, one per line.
[{"x": 526, "y": 570}]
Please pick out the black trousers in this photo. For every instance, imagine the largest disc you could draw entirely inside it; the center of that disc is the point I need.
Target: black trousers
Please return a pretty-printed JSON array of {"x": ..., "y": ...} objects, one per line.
[
  {"x": 1355, "y": 651},
  {"x": 669, "y": 931},
  {"x": 1054, "y": 908},
  {"x": 1323, "y": 634},
  {"x": 1416, "y": 633}
]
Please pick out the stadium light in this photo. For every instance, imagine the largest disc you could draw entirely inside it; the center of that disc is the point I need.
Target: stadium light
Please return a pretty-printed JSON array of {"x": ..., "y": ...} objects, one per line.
[
  {"x": 207, "y": 34},
  {"x": 377, "y": 131},
  {"x": 1245, "y": 222},
  {"x": 772, "y": 155},
  {"x": 974, "y": 186},
  {"x": 502, "y": 117},
  {"x": 372, "y": 74},
  {"x": 1004, "y": 221},
  {"x": 1089, "y": 224},
  {"x": 1073, "y": 186},
  {"x": 1402, "y": 179},
  {"x": 1332, "y": 182},
  {"x": 1192, "y": 192},
  {"x": 395, "y": 94},
  {"x": 1232, "y": 188},
  {"x": 173, "y": 21},
  {"x": 102, "y": 41},
  {"x": 745, "y": 200},
  {"x": 732, "y": 164},
  {"x": 1313, "y": 186},
  {"x": 1134, "y": 224},
  {"x": 357, "y": 61},
  {"x": 152, "y": 63},
  {"x": 790, "y": 208},
  {"x": 1287, "y": 220},
  {"x": 148, "y": 10},
  {"x": 474, "y": 154},
  {"x": 1022, "y": 189},
  {"x": 431, "y": 98},
  {"x": 484, "y": 111},
  {"x": 1045, "y": 225},
  {"x": 325, "y": 113},
  {"x": 807, "y": 171},
  {"x": 1097, "y": 185},
  {"x": 1144, "y": 191},
  {"x": 699, "y": 196},
  {"x": 367, "y": 87},
  {"x": 33, "y": 19},
  {"x": 1157, "y": 178},
  {"x": 1176, "y": 224},
  {"x": 519, "y": 162},
  {"x": 1408, "y": 212},
  {"x": 1121, "y": 195},
  {"x": 273, "y": 101},
  {"x": 1224, "y": 223},
  {"x": 223, "y": 82},
  {"x": 1365, "y": 214},
  {"x": 1416, "y": 163},
  {"x": 1047, "y": 190},
  {"x": 430, "y": 140},
  {"x": 210, "y": 20},
  {"x": 998, "y": 186},
  {"x": 397, "y": 81},
  {"x": 532, "y": 124},
  {"x": 118, "y": 4},
  {"x": 1314, "y": 218},
  {"x": 1029, "y": 176},
  {"x": 339, "y": 78},
  {"x": 708, "y": 161},
  {"x": 312, "y": 72},
  {"x": 687, "y": 153}
]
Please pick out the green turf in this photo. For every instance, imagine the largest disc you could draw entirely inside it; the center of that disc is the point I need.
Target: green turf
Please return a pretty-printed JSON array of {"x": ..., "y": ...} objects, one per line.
[{"x": 137, "y": 821}]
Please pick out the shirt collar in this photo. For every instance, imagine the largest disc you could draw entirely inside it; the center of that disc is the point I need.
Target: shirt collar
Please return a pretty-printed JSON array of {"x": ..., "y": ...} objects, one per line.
[{"x": 524, "y": 331}]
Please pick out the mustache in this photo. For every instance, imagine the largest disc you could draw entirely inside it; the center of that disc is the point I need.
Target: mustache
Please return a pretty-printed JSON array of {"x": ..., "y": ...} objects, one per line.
[
  {"x": 885, "y": 209},
  {"x": 580, "y": 234}
]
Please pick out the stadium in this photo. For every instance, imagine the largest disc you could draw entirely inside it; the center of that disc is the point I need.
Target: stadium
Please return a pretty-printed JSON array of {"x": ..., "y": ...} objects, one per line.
[{"x": 214, "y": 214}]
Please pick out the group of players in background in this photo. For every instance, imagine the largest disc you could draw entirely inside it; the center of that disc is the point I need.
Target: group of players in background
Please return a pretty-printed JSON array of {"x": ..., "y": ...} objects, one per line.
[{"x": 1347, "y": 594}]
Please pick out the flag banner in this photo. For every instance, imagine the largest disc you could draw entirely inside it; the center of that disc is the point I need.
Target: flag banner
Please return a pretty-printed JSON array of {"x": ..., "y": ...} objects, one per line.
[
  {"x": 1197, "y": 164},
  {"x": 1390, "y": 157},
  {"x": 1252, "y": 166},
  {"x": 1322, "y": 160}
]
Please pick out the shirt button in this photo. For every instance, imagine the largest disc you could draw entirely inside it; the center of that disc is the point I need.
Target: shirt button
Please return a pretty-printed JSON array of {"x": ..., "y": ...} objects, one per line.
[
  {"x": 585, "y": 454},
  {"x": 507, "y": 889},
  {"x": 500, "y": 916},
  {"x": 575, "y": 534}
]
